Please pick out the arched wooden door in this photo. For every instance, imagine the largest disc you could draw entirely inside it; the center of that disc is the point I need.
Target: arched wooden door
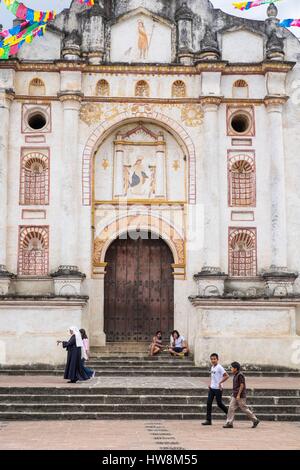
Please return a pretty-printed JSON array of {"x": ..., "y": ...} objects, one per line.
[{"x": 138, "y": 289}]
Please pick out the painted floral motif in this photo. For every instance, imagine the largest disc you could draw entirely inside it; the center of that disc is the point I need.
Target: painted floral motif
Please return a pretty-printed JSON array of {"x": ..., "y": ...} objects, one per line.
[
  {"x": 91, "y": 113},
  {"x": 192, "y": 115}
]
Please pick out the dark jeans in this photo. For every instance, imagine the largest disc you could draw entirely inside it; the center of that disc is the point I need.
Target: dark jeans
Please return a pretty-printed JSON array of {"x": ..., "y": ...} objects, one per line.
[
  {"x": 87, "y": 370},
  {"x": 213, "y": 392}
]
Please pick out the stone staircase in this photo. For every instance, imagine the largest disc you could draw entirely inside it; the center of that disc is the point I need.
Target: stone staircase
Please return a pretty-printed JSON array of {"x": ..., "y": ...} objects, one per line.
[
  {"x": 94, "y": 402},
  {"x": 150, "y": 398},
  {"x": 138, "y": 365}
]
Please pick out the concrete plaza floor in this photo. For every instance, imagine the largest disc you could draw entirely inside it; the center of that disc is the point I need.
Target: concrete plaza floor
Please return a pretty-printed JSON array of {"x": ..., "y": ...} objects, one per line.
[{"x": 147, "y": 435}]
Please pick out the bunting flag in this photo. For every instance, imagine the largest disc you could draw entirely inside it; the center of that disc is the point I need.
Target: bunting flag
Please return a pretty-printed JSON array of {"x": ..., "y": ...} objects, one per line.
[
  {"x": 289, "y": 22},
  {"x": 254, "y": 3},
  {"x": 33, "y": 24},
  {"x": 88, "y": 3},
  {"x": 10, "y": 45},
  {"x": 24, "y": 13},
  {"x": 14, "y": 30}
]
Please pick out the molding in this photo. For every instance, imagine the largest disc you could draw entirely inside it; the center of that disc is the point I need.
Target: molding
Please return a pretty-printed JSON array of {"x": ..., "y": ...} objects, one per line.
[
  {"x": 70, "y": 96},
  {"x": 220, "y": 302},
  {"x": 260, "y": 68},
  {"x": 7, "y": 94},
  {"x": 271, "y": 100},
  {"x": 42, "y": 301}
]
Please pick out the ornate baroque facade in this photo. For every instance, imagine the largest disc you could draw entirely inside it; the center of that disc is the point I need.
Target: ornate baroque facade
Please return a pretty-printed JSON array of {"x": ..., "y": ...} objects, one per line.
[{"x": 149, "y": 179}]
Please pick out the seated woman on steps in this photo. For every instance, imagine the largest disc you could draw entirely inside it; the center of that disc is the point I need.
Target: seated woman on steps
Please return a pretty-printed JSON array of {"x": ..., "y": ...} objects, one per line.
[
  {"x": 179, "y": 346},
  {"x": 74, "y": 370},
  {"x": 156, "y": 346}
]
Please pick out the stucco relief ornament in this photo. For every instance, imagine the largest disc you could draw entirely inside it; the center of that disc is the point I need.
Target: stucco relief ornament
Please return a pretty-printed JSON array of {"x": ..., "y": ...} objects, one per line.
[
  {"x": 192, "y": 115},
  {"x": 141, "y": 108},
  {"x": 91, "y": 113},
  {"x": 98, "y": 247}
]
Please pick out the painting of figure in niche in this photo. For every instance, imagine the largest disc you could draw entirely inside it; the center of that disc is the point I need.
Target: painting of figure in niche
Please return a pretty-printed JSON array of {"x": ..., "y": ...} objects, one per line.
[
  {"x": 143, "y": 41},
  {"x": 141, "y": 38},
  {"x": 139, "y": 179}
]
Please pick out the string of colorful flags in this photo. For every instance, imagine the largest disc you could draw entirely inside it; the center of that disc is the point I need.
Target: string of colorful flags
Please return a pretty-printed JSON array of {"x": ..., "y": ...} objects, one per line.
[
  {"x": 287, "y": 23},
  {"x": 255, "y": 3},
  {"x": 33, "y": 25}
]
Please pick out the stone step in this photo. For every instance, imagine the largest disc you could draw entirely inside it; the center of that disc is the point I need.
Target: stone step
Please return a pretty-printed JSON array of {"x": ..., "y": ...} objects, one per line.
[
  {"x": 127, "y": 407},
  {"x": 141, "y": 371},
  {"x": 110, "y": 372},
  {"x": 41, "y": 416},
  {"x": 158, "y": 365},
  {"x": 143, "y": 363},
  {"x": 138, "y": 399},
  {"x": 76, "y": 390},
  {"x": 131, "y": 347}
]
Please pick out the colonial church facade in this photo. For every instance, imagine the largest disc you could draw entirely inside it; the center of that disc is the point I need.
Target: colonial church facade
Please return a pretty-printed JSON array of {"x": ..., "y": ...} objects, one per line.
[{"x": 149, "y": 179}]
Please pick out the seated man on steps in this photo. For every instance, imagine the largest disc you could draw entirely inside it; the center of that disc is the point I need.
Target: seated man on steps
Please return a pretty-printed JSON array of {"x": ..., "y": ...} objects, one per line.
[
  {"x": 179, "y": 346},
  {"x": 156, "y": 346}
]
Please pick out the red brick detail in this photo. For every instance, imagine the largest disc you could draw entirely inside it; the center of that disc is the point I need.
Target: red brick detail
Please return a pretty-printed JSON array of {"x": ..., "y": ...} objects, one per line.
[
  {"x": 34, "y": 178},
  {"x": 33, "y": 254},
  {"x": 102, "y": 131},
  {"x": 241, "y": 179},
  {"x": 242, "y": 250}
]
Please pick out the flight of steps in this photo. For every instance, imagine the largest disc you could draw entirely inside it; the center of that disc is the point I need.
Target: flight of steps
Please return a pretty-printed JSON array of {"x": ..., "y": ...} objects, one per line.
[
  {"x": 138, "y": 365},
  {"x": 94, "y": 401},
  {"x": 73, "y": 403}
]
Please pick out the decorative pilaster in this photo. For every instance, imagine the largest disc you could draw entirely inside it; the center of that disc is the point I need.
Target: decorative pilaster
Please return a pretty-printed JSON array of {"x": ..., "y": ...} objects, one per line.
[
  {"x": 211, "y": 280},
  {"x": 211, "y": 191},
  {"x": 68, "y": 278},
  {"x": 274, "y": 106},
  {"x": 119, "y": 167},
  {"x": 160, "y": 171},
  {"x": 6, "y": 98}
]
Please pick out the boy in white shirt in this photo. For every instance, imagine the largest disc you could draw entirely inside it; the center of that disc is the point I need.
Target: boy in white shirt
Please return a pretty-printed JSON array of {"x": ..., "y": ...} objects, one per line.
[{"x": 218, "y": 377}]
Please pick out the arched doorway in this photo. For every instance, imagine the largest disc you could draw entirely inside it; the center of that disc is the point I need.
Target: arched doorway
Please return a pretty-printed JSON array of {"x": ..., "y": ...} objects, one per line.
[{"x": 138, "y": 288}]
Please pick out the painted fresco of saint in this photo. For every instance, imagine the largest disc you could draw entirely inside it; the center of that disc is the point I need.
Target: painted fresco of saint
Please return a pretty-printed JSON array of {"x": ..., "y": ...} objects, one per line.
[
  {"x": 143, "y": 41},
  {"x": 138, "y": 178}
]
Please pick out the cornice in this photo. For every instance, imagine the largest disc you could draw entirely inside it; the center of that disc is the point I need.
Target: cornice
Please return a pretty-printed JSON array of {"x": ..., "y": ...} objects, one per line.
[{"x": 223, "y": 67}]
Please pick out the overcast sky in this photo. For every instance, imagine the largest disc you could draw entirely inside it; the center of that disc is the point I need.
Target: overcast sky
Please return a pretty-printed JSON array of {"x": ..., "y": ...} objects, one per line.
[{"x": 287, "y": 9}]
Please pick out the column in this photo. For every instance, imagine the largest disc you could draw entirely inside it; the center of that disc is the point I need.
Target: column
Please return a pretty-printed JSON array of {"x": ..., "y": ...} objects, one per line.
[
  {"x": 211, "y": 185},
  {"x": 70, "y": 191},
  {"x": 210, "y": 280},
  {"x": 6, "y": 98},
  {"x": 279, "y": 232},
  {"x": 160, "y": 171},
  {"x": 119, "y": 171},
  {"x": 279, "y": 281}
]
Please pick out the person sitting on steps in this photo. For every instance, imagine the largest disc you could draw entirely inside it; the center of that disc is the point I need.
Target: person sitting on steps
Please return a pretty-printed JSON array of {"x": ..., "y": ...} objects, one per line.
[
  {"x": 179, "y": 346},
  {"x": 156, "y": 346}
]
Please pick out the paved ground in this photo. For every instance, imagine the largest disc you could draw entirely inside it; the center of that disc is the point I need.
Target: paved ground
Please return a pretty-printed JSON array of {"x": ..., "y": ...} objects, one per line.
[
  {"x": 148, "y": 435},
  {"x": 161, "y": 382}
]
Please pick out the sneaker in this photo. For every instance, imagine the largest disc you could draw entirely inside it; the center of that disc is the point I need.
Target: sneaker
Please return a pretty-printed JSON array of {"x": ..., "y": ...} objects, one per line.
[
  {"x": 181, "y": 355},
  {"x": 255, "y": 423},
  {"x": 206, "y": 423},
  {"x": 228, "y": 426}
]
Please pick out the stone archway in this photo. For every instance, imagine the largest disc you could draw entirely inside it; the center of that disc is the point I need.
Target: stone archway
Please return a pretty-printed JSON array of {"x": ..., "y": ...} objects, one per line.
[
  {"x": 142, "y": 222},
  {"x": 138, "y": 288},
  {"x": 134, "y": 113}
]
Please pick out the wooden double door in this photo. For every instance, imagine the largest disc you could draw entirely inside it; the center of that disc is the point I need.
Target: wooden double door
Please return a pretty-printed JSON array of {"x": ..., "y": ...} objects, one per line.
[{"x": 138, "y": 289}]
